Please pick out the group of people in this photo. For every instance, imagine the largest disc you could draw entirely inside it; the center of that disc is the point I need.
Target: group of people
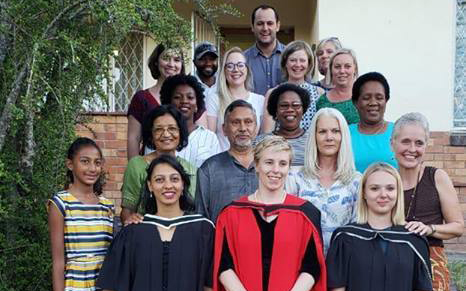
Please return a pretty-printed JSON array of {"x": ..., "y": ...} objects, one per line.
[{"x": 257, "y": 178}]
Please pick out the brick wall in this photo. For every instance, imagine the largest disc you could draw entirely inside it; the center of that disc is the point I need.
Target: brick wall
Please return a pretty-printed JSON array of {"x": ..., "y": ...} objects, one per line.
[{"x": 109, "y": 131}]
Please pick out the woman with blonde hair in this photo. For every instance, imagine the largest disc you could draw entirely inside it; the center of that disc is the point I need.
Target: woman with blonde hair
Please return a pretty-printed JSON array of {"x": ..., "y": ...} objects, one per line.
[
  {"x": 328, "y": 179},
  {"x": 342, "y": 71},
  {"x": 431, "y": 203},
  {"x": 297, "y": 64},
  {"x": 269, "y": 232},
  {"x": 377, "y": 252},
  {"x": 325, "y": 49},
  {"x": 234, "y": 82}
]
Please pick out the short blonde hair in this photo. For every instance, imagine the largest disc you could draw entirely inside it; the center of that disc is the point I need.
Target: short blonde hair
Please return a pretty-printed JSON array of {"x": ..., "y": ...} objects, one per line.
[
  {"x": 345, "y": 162},
  {"x": 293, "y": 47},
  {"x": 398, "y": 212},
  {"x": 223, "y": 91},
  {"x": 276, "y": 142},
  {"x": 343, "y": 51}
]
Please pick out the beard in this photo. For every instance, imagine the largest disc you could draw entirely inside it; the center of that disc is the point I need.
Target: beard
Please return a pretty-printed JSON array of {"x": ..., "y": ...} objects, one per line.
[{"x": 207, "y": 73}]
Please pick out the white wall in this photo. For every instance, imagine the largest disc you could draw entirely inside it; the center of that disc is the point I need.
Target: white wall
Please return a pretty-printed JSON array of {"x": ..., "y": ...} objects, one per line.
[{"x": 411, "y": 42}]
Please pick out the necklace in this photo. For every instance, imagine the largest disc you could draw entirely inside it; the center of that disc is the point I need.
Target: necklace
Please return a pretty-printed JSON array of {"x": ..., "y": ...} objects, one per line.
[
  {"x": 379, "y": 129},
  {"x": 412, "y": 203},
  {"x": 281, "y": 202}
]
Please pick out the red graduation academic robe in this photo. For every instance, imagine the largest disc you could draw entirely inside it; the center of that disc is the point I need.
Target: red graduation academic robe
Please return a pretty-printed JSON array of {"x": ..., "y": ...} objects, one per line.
[{"x": 298, "y": 222}]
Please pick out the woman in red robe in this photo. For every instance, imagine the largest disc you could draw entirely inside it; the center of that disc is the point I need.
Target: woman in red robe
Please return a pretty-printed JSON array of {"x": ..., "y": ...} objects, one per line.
[{"x": 269, "y": 240}]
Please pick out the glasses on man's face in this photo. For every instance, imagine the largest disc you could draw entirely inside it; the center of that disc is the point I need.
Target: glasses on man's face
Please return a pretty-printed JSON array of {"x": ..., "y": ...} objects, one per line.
[
  {"x": 172, "y": 130},
  {"x": 293, "y": 105},
  {"x": 231, "y": 66}
]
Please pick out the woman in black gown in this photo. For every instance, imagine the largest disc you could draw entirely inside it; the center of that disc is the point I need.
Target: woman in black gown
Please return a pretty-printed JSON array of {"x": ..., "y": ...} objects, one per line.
[
  {"x": 170, "y": 250},
  {"x": 377, "y": 252}
]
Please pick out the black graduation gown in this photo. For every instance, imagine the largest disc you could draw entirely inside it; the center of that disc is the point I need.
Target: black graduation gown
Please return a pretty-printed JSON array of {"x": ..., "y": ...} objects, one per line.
[
  {"x": 134, "y": 259},
  {"x": 356, "y": 259}
]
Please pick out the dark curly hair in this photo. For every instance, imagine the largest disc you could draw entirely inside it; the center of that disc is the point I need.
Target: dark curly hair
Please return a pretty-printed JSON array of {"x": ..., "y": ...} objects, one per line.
[
  {"x": 73, "y": 150},
  {"x": 153, "y": 62},
  {"x": 277, "y": 92},
  {"x": 148, "y": 199},
  {"x": 156, "y": 113},
  {"x": 170, "y": 84},
  {"x": 368, "y": 77}
]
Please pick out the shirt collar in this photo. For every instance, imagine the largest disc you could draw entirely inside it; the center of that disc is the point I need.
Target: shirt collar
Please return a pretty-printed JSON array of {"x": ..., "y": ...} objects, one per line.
[
  {"x": 238, "y": 164},
  {"x": 277, "y": 50}
]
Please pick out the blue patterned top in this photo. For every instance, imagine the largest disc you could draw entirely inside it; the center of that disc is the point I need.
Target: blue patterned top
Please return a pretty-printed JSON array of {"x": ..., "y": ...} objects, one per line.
[{"x": 337, "y": 204}]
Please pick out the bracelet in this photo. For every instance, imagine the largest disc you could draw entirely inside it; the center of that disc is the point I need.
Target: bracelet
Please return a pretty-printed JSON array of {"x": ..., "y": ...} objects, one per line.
[{"x": 432, "y": 227}]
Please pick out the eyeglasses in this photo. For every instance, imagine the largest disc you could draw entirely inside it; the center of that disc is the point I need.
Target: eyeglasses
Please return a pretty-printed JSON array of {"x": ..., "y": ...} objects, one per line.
[
  {"x": 172, "y": 130},
  {"x": 231, "y": 66},
  {"x": 286, "y": 106}
]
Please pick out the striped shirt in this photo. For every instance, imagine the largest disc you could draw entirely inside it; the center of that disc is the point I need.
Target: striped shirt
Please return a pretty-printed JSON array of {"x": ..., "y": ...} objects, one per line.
[
  {"x": 88, "y": 231},
  {"x": 202, "y": 144},
  {"x": 298, "y": 144}
]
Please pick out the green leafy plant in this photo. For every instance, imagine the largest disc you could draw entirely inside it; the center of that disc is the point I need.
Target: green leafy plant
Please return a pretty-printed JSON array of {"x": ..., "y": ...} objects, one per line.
[
  {"x": 54, "y": 54},
  {"x": 458, "y": 273}
]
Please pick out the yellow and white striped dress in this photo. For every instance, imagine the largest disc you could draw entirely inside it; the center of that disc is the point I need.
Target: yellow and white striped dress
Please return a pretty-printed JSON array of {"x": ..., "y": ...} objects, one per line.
[{"x": 88, "y": 232}]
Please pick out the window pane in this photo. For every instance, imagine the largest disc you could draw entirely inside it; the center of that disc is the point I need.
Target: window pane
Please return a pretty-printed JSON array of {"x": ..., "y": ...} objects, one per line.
[
  {"x": 128, "y": 71},
  {"x": 460, "y": 70}
]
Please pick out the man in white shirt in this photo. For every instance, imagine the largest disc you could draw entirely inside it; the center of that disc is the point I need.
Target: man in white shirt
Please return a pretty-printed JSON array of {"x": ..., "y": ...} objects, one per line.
[{"x": 206, "y": 63}]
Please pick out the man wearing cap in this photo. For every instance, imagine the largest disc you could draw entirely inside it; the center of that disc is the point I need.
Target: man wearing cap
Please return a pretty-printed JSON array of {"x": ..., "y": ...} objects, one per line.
[
  {"x": 206, "y": 63},
  {"x": 264, "y": 56}
]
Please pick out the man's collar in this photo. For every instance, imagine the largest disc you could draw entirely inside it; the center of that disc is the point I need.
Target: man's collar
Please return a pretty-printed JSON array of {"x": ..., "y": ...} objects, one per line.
[
  {"x": 279, "y": 47},
  {"x": 235, "y": 161}
]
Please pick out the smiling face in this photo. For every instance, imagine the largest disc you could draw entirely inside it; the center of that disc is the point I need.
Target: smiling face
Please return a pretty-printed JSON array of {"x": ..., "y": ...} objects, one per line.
[
  {"x": 323, "y": 56},
  {"x": 343, "y": 70},
  {"x": 410, "y": 145},
  {"x": 297, "y": 65},
  {"x": 289, "y": 110},
  {"x": 240, "y": 127},
  {"x": 170, "y": 63},
  {"x": 265, "y": 27},
  {"x": 184, "y": 99},
  {"x": 165, "y": 134},
  {"x": 272, "y": 169},
  {"x": 207, "y": 65},
  {"x": 237, "y": 76},
  {"x": 372, "y": 102},
  {"x": 328, "y": 136},
  {"x": 86, "y": 166},
  {"x": 166, "y": 185},
  {"x": 380, "y": 193}
]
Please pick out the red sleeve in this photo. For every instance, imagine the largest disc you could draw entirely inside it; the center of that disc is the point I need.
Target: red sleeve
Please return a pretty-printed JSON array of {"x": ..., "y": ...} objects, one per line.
[
  {"x": 219, "y": 235},
  {"x": 141, "y": 103}
]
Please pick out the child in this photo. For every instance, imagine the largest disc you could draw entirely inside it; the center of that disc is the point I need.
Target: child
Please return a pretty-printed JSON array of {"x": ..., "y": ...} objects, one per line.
[{"x": 80, "y": 220}]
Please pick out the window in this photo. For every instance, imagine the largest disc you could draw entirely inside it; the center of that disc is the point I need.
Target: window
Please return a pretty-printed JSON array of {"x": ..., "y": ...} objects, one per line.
[
  {"x": 128, "y": 66},
  {"x": 460, "y": 68}
]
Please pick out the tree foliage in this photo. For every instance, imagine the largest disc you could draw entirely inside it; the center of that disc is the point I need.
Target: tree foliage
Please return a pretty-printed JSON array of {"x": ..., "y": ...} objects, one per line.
[{"x": 53, "y": 55}]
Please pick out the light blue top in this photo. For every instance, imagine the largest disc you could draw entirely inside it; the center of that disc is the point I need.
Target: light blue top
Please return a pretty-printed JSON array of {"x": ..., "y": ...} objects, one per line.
[
  {"x": 337, "y": 204},
  {"x": 266, "y": 71},
  {"x": 371, "y": 148}
]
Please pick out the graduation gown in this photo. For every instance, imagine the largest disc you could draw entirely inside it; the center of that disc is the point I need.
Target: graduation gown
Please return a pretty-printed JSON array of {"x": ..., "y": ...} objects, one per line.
[
  {"x": 134, "y": 261},
  {"x": 298, "y": 222},
  {"x": 357, "y": 259}
]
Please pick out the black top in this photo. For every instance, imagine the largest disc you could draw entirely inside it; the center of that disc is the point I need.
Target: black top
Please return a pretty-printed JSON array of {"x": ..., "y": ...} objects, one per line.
[
  {"x": 165, "y": 258},
  {"x": 357, "y": 260},
  {"x": 424, "y": 205},
  {"x": 138, "y": 260},
  {"x": 309, "y": 263}
]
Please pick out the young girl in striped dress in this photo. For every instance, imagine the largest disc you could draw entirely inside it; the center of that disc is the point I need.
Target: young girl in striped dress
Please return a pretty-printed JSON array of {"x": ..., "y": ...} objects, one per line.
[{"x": 80, "y": 220}]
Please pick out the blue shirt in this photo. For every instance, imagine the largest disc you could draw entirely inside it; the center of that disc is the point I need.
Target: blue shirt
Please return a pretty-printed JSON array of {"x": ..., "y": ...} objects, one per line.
[
  {"x": 371, "y": 148},
  {"x": 266, "y": 71}
]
